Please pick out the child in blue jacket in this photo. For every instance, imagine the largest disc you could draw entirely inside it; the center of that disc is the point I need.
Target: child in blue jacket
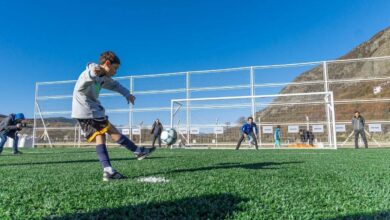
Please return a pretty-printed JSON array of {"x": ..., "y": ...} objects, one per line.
[
  {"x": 277, "y": 136},
  {"x": 248, "y": 130}
]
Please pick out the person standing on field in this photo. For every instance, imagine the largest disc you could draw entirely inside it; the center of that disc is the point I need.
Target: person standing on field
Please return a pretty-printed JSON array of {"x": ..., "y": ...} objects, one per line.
[
  {"x": 157, "y": 129},
  {"x": 358, "y": 123},
  {"x": 277, "y": 136}
]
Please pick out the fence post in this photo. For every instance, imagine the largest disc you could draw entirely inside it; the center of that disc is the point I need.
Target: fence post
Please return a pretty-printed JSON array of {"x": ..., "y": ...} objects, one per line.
[
  {"x": 35, "y": 114},
  {"x": 188, "y": 119}
]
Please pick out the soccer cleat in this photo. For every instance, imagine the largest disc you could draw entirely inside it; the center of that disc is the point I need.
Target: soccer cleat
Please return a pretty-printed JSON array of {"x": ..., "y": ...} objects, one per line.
[
  {"x": 17, "y": 153},
  {"x": 115, "y": 176},
  {"x": 140, "y": 156},
  {"x": 145, "y": 152}
]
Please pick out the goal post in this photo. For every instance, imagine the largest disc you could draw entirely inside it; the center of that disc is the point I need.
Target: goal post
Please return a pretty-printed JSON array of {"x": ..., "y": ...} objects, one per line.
[{"x": 306, "y": 120}]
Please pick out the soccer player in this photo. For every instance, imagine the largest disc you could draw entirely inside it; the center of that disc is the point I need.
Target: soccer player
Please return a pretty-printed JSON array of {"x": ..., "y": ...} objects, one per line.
[
  {"x": 157, "y": 129},
  {"x": 248, "y": 130},
  {"x": 9, "y": 127},
  {"x": 91, "y": 116},
  {"x": 277, "y": 136},
  {"x": 358, "y": 128}
]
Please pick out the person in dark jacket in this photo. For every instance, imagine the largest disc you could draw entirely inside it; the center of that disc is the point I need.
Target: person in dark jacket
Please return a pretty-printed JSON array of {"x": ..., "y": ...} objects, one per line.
[
  {"x": 9, "y": 128},
  {"x": 248, "y": 130},
  {"x": 157, "y": 129},
  {"x": 358, "y": 123},
  {"x": 306, "y": 136}
]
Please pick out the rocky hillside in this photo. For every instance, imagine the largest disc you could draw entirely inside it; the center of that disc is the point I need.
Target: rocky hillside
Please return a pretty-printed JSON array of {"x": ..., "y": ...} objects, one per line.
[{"x": 378, "y": 45}]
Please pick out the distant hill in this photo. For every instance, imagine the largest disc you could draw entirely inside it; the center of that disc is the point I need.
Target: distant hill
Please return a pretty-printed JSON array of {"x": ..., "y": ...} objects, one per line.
[
  {"x": 61, "y": 120},
  {"x": 378, "y": 45}
]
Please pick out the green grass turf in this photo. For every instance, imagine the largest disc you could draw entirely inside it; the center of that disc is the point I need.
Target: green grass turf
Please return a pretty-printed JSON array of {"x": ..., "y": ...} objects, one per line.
[{"x": 204, "y": 184}]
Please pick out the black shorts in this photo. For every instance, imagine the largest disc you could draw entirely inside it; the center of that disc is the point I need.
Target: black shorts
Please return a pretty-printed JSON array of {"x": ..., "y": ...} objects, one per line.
[{"x": 93, "y": 127}]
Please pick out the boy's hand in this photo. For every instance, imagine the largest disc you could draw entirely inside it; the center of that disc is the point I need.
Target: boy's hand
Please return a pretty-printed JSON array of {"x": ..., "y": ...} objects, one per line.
[{"x": 131, "y": 99}]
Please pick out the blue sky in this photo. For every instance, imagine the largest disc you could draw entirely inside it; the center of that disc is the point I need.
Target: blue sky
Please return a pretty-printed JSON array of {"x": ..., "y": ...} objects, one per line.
[{"x": 53, "y": 40}]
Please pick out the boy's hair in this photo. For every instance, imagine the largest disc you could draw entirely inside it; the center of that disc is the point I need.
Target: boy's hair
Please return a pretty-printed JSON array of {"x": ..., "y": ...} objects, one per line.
[
  {"x": 357, "y": 112},
  {"x": 278, "y": 126},
  {"x": 250, "y": 118},
  {"x": 110, "y": 56}
]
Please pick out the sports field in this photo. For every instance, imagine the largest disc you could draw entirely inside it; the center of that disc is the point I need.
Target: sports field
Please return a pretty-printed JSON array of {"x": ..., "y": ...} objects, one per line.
[{"x": 201, "y": 184}]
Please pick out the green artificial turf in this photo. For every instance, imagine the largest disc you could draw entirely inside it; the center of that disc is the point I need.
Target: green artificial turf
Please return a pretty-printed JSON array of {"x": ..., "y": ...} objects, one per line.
[{"x": 203, "y": 184}]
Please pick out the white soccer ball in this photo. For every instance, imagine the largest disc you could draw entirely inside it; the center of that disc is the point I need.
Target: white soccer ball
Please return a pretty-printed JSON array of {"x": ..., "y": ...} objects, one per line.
[{"x": 169, "y": 136}]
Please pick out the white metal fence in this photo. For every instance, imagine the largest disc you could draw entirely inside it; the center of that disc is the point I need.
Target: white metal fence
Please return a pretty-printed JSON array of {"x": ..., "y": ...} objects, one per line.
[{"x": 352, "y": 81}]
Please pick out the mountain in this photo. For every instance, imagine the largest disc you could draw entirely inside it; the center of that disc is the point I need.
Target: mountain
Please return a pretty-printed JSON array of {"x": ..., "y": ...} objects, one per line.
[{"x": 378, "y": 45}]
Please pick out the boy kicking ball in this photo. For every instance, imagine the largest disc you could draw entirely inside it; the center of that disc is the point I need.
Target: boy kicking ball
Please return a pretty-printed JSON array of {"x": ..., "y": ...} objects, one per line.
[{"x": 88, "y": 111}]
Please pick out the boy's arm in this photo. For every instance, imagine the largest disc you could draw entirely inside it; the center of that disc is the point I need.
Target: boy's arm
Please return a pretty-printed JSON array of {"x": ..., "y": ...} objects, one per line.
[{"x": 113, "y": 85}]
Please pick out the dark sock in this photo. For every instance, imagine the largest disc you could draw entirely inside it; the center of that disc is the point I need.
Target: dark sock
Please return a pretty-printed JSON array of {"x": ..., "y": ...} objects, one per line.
[
  {"x": 102, "y": 153},
  {"x": 128, "y": 144}
]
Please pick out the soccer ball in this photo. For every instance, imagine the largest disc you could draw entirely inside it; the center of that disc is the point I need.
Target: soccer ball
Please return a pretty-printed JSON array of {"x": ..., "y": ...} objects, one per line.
[{"x": 169, "y": 136}]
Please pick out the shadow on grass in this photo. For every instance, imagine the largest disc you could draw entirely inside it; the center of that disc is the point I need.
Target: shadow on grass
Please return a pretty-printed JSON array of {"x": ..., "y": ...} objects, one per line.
[
  {"x": 54, "y": 152},
  {"x": 365, "y": 216},
  {"x": 250, "y": 166},
  {"x": 62, "y": 152},
  {"x": 218, "y": 206},
  {"x": 72, "y": 161}
]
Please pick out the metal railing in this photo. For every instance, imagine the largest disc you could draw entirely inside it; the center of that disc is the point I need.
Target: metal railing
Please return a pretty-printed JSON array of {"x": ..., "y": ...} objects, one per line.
[{"x": 253, "y": 85}]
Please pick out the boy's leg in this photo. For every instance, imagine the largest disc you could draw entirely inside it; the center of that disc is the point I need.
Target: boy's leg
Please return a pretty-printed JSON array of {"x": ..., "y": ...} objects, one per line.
[
  {"x": 101, "y": 150},
  {"x": 240, "y": 141},
  {"x": 255, "y": 141},
  {"x": 95, "y": 130},
  {"x": 121, "y": 139},
  {"x": 3, "y": 139}
]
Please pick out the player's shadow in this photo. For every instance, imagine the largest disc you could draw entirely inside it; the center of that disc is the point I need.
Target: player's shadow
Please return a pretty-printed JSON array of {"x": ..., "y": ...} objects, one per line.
[
  {"x": 364, "y": 216},
  {"x": 72, "y": 161},
  {"x": 249, "y": 166},
  {"x": 215, "y": 206}
]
